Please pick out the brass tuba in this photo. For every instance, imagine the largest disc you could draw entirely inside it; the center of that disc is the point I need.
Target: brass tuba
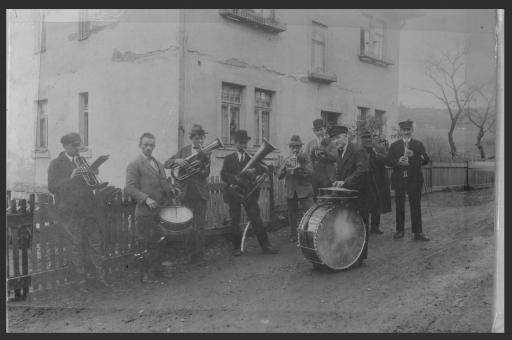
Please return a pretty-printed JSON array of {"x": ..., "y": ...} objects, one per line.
[
  {"x": 87, "y": 173},
  {"x": 243, "y": 192},
  {"x": 194, "y": 163}
]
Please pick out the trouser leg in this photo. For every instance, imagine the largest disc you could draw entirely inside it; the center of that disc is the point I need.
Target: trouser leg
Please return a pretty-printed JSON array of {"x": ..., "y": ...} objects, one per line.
[
  {"x": 92, "y": 246},
  {"x": 375, "y": 220},
  {"x": 71, "y": 236},
  {"x": 253, "y": 213},
  {"x": 414, "y": 193},
  {"x": 400, "y": 208},
  {"x": 293, "y": 205},
  {"x": 365, "y": 216},
  {"x": 195, "y": 242},
  {"x": 148, "y": 235},
  {"x": 235, "y": 210}
]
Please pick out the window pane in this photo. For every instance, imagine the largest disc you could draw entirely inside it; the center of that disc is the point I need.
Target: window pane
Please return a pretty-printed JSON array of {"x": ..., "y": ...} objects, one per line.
[
  {"x": 263, "y": 98},
  {"x": 86, "y": 128},
  {"x": 318, "y": 57},
  {"x": 234, "y": 122},
  {"x": 265, "y": 125},
  {"x": 224, "y": 128},
  {"x": 257, "y": 127}
]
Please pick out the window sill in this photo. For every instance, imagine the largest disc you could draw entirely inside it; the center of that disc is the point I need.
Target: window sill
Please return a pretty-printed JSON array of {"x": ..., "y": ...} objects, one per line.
[
  {"x": 373, "y": 60},
  {"x": 322, "y": 77},
  {"x": 41, "y": 153},
  {"x": 247, "y": 17}
]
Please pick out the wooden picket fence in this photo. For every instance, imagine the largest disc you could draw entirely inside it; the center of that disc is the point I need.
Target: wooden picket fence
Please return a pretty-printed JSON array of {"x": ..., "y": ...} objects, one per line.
[{"x": 36, "y": 260}]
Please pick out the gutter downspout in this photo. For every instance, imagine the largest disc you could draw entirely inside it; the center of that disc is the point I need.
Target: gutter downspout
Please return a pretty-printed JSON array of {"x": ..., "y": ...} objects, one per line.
[{"x": 181, "y": 79}]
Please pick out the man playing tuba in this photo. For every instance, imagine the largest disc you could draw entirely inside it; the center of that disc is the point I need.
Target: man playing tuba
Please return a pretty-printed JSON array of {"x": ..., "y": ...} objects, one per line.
[
  {"x": 296, "y": 171},
  {"x": 231, "y": 174}
]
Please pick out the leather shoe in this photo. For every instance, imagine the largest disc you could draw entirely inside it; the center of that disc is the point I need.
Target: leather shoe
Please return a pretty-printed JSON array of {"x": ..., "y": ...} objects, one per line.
[
  {"x": 398, "y": 234},
  {"x": 270, "y": 250},
  {"x": 420, "y": 237},
  {"x": 376, "y": 231},
  {"x": 237, "y": 252}
]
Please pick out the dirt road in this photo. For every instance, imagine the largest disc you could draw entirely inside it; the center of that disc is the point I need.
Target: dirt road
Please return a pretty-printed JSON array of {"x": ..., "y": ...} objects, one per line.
[{"x": 444, "y": 285}]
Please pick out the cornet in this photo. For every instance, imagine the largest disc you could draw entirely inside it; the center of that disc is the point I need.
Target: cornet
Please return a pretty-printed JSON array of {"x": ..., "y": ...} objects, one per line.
[{"x": 405, "y": 158}]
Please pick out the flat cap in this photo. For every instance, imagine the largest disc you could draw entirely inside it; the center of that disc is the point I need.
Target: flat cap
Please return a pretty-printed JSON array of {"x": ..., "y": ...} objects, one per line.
[
  {"x": 318, "y": 123},
  {"x": 70, "y": 138},
  {"x": 197, "y": 130},
  {"x": 295, "y": 140}
]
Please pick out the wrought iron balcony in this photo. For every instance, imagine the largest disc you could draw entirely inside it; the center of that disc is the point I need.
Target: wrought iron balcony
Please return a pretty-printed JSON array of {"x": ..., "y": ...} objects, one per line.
[
  {"x": 369, "y": 58},
  {"x": 247, "y": 16}
]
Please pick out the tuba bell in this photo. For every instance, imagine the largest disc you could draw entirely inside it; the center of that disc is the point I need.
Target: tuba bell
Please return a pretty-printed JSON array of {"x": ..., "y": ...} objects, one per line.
[
  {"x": 243, "y": 191},
  {"x": 194, "y": 164}
]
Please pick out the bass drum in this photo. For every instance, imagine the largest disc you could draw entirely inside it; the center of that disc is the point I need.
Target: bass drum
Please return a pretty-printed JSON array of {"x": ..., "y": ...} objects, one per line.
[{"x": 332, "y": 234}]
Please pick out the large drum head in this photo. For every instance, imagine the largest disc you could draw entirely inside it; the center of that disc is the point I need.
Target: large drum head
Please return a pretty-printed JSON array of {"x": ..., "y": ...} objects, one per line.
[
  {"x": 175, "y": 218},
  {"x": 340, "y": 238}
]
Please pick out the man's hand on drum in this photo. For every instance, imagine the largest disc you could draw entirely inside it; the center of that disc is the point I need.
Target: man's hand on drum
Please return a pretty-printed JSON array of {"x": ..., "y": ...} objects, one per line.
[
  {"x": 338, "y": 184},
  {"x": 151, "y": 203}
]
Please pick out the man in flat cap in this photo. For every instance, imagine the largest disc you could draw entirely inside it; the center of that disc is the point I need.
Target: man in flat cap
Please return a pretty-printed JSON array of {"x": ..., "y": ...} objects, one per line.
[
  {"x": 351, "y": 172},
  {"x": 230, "y": 174},
  {"x": 194, "y": 189},
  {"x": 322, "y": 155},
  {"x": 297, "y": 183},
  {"x": 147, "y": 183},
  {"x": 75, "y": 207},
  {"x": 377, "y": 185},
  {"x": 406, "y": 156}
]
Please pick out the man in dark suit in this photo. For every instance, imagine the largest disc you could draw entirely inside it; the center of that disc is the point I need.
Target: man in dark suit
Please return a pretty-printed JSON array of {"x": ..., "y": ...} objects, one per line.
[
  {"x": 377, "y": 184},
  {"x": 230, "y": 174},
  {"x": 75, "y": 207},
  {"x": 297, "y": 184},
  {"x": 147, "y": 183},
  {"x": 351, "y": 172},
  {"x": 195, "y": 189},
  {"x": 322, "y": 155},
  {"x": 406, "y": 156}
]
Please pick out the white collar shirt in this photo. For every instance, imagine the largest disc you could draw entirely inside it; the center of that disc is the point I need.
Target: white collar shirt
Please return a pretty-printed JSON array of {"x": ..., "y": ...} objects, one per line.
[
  {"x": 344, "y": 150},
  {"x": 151, "y": 161}
]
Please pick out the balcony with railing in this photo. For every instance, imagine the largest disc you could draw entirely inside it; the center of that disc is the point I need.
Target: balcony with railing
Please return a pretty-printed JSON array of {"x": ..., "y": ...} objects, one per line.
[{"x": 247, "y": 16}]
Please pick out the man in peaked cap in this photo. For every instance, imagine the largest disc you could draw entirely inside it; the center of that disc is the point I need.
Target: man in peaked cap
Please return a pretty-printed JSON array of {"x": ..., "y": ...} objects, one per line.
[
  {"x": 195, "y": 189},
  {"x": 351, "y": 172},
  {"x": 230, "y": 174},
  {"x": 322, "y": 155},
  {"x": 75, "y": 207},
  {"x": 407, "y": 155},
  {"x": 297, "y": 184}
]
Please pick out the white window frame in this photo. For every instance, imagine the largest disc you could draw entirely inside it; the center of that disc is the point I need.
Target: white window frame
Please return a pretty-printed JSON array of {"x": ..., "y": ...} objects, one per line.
[
  {"x": 369, "y": 37},
  {"x": 230, "y": 105},
  {"x": 259, "y": 109},
  {"x": 84, "y": 25},
  {"x": 84, "y": 118},
  {"x": 42, "y": 116},
  {"x": 320, "y": 30}
]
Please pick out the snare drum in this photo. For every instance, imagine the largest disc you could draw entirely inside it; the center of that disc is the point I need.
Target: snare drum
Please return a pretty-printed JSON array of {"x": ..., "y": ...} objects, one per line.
[
  {"x": 331, "y": 233},
  {"x": 175, "y": 219}
]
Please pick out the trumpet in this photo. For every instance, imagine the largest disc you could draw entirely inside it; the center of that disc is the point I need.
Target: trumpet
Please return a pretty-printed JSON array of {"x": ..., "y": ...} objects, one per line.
[
  {"x": 87, "y": 173},
  {"x": 181, "y": 174},
  {"x": 405, "y": 159},
  {"x": 292, "y": 163}
]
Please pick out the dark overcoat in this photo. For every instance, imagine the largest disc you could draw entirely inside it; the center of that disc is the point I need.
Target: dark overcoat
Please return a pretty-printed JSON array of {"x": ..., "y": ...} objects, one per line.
[
  {"x": 378, "y": 184},
  {"x": 231, "y": 167},
  {"x": 419, "y": 158},
  {"x": 353, "y": 169}
]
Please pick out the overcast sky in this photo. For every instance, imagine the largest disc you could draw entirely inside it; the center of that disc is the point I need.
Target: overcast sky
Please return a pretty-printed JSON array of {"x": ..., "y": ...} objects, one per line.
[{"x": 444, "y": 29}]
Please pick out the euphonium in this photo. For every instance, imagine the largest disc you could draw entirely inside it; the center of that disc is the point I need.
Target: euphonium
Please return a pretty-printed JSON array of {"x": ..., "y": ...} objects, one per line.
[
  {"x": 242, "y": 192},
  {"x": 90, "y": 178},
  {"x": 194, "y": 163}
]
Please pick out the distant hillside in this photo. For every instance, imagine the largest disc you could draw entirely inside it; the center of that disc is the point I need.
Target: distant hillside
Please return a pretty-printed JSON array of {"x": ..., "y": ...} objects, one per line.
[{"x": 429, "y": 118}]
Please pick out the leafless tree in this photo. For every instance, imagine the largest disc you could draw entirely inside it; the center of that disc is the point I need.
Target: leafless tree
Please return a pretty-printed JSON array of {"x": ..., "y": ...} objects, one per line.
[
  {"x": 436, "y": 148},
  {"x": 481, "y": 113},
  {"x": 447, "y": 72}
]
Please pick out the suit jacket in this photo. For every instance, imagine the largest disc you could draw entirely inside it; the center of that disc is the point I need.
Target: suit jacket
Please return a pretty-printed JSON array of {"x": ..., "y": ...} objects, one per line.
[
  {"x": 300, "y": 181},
  {"x": 197, "y": 183},
  {"x": 379, "y": 196},
  {"x": 353, "y": 167},
  {"x": 72, "y": 196},
  {"x": 324, "y": 168},
  {"x": 231, "y": 167},
  {"x": 143, "y": 181},
  {"x": 419, "y": 158}
]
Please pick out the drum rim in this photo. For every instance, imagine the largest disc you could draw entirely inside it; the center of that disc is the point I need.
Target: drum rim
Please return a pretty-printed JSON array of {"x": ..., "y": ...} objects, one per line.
[{"x": 161, "y": 220}]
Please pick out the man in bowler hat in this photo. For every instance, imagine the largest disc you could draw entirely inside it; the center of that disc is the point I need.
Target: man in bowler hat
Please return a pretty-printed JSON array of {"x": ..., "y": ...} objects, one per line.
[{"x": 230, "y": 174}]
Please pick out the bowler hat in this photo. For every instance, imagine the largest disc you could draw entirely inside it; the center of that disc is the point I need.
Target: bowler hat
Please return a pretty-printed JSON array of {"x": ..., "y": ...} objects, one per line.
[
  {"x": 406, "y": 124},
  {"x": 241, "y": 136},
  {"x": 295, "y": 140},
  {"x": 336, "y": 130},
  {"x": 318, "y": 123},
  {"x": 70, "y": 138},
  {"x": 197, "y": 130}
]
